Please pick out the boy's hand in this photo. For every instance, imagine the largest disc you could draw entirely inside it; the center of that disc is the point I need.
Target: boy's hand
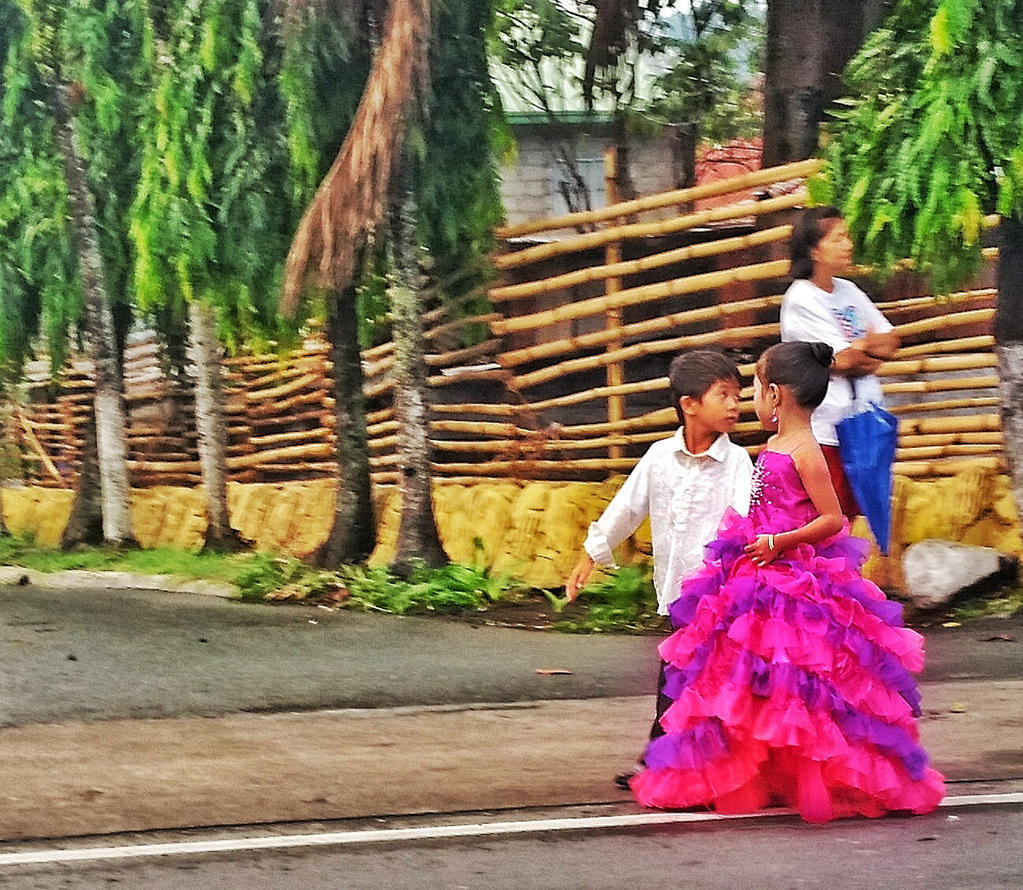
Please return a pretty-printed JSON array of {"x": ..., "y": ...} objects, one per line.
[
  {"x": 762, "y": 550},
  {"x": 579, "y": 576}
]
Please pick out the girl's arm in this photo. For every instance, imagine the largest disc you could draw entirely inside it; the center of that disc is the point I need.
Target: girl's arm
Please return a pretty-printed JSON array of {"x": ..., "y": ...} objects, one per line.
[{"x": 813, "y": 471}]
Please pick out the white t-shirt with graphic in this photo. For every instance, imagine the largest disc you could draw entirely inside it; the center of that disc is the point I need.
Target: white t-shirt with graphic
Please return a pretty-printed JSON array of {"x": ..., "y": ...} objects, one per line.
[{"x": 836, "y": 317}]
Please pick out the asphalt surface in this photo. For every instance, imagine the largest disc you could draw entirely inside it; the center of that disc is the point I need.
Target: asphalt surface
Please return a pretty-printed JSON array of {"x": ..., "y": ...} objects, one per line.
[
  {"x": 108, "y": 654},
  {"x": 128, "y": 711}
]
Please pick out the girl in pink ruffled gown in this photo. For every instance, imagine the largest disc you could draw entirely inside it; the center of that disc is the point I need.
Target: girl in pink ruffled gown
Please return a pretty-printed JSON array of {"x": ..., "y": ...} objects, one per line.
[{"x": 791, "y": 675}]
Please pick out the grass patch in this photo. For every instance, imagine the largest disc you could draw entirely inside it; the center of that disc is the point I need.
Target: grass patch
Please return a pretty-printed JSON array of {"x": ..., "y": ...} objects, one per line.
[
  {"x": 624, "y": 601},
  {"x": 1003, "y": 602}
]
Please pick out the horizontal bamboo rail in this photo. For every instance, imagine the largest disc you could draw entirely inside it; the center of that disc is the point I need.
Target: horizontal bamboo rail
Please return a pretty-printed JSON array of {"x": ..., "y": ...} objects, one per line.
[
  {"x": 645, "y": 294},
  {"x": 604, "y": 237},
  {"x": 634, "y": 267},
  {"x": 727, "y": 336},
  {"x": 717, "y": 312},
  {"x": 765, "y": 176}
]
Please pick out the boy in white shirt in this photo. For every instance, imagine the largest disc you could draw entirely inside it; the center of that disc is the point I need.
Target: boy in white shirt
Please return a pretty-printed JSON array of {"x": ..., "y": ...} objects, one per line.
[{"x": 684, "y": 484}]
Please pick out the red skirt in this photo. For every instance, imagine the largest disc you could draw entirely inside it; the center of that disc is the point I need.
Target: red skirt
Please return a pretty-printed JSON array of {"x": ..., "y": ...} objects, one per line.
[{"x": 846, "y": 498}]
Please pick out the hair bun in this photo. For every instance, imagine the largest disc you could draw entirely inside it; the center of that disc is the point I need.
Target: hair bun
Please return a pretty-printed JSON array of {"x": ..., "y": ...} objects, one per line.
[{"x": 822, "y": 353}]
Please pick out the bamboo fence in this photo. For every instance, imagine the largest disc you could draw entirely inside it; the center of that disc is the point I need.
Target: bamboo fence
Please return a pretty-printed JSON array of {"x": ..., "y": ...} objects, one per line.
[{"x": 562, "y": 374}]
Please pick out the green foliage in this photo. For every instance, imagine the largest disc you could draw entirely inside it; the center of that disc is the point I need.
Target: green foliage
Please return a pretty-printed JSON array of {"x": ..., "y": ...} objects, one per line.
[
  {"x": 39, "y": 288},
  {"x": 625, "y": 600},
  {"x": 931, "y": 137},
  {"x": 711, "y": 58},
  {"x": 459, "y": 203}
]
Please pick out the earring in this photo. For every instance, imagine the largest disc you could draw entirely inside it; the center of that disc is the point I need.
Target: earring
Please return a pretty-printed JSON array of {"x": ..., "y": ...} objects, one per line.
[{"x": 774, "y": 417}]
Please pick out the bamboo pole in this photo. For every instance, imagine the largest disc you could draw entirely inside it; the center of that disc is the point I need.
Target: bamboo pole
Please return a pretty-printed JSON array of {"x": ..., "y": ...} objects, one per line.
[
  {"x": 934, "y": 452},
  {"x": 926, "y": 301},
  {"x": 297, "y": 436},
  {"x": 653, "y": 347},
  {"x": 599, "y": 392},
  {"x": 456, "y": 356},
  {"x": 615, "y": 372},
  {"x": 642, "y": 230},
  {"x": 518, "y": 467},
  {"x": 495, "y": 410},
  {"x": 942, "y": 322},
  {"x": 689, "y": 284},
  {"x": 292, "y": 452},
  {"x": 379, "y": 429},
  {"x": 500, "y": 375},
  {"x": 947, "y": 467},
  {"x": 966, "y": 362},
  {"x": 972, "y": 423},
  {"x": 37, "y": 447},
  {"x": 458, "y": 323},
  {"x": 620, "y": 269},
  {"x": 379, "y": 416},
  {"x": 286, "y": 389},
  {"x": 766, "y": 176},
  {"x": 963, "y": 344},
  {"x": 942, "y": 439},
  {"x": 952, "y": 384},
  {"x": 945, "y": 405},
  {"x": 536, "y": 446},
  {"x": 719, "y": 311}
]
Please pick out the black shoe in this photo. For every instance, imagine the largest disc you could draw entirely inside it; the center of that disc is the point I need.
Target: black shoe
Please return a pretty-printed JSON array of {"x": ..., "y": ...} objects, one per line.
[{"x": 622, "y": 779}]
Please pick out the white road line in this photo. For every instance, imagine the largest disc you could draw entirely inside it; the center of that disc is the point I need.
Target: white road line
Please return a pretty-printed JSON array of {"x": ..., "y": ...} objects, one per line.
[{"x": 433, "y": 832}]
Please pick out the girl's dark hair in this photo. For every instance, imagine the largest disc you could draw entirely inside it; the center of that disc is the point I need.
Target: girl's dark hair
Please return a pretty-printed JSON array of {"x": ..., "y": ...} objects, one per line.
[
  {"x": 803, "y": 367},
  {"x": 806, "y": 235},
  {"x": 693, "y": 373}
]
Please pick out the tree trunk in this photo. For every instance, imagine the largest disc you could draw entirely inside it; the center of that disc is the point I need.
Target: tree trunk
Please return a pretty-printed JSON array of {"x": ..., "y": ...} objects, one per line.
[
  {"x": 353, "y": 533},
  {"x": 809, "y": 42},
  {"x": 418, "y": 540},
  {"x": 108, "y": 404},
  {"x": 683, "y": 155},
  {"x": 85, "y": 524},
  {"x": 1009, "y": 346},
  {"x": 210, "y": 424}
]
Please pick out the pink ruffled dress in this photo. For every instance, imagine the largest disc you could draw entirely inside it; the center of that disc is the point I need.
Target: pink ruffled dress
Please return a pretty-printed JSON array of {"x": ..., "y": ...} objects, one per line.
[{"x": 792, "y": 683}]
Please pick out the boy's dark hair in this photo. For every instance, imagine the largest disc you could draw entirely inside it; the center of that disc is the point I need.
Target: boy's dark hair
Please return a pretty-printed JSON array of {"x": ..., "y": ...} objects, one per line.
[
  {"x": 806, "y": 235},
  {"x": 693, "y": 373},
  {"x": 804, "y": 368}
]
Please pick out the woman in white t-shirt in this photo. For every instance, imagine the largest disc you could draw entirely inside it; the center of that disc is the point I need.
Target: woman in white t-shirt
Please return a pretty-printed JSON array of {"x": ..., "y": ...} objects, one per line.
[{"x": 819, "y": 306}]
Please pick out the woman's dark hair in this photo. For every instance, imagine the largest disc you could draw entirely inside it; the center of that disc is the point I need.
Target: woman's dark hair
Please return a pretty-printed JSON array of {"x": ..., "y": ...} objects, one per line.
[
  {"x": 803, "y": 367},
  {"x": 693, "y": 373},
  {"x": 806, "y": 235}
]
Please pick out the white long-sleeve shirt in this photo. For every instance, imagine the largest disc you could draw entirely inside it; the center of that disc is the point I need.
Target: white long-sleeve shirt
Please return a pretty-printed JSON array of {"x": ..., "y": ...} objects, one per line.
[
  {"x": 835, "y": 317},
  {"x": 685, "y": 495}
]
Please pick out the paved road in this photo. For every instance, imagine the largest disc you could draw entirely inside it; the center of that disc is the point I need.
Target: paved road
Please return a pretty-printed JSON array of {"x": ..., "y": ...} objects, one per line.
[
  {"x": 106, "y": 654},
  {"x": 953, "y": 849}
]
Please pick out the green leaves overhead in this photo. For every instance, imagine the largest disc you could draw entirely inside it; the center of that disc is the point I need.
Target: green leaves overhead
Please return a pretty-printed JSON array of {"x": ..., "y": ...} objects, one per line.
[{"x": 930, "y": 139}]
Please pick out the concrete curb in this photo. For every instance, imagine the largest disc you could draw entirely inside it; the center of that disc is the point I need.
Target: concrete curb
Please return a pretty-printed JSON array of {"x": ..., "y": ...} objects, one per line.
[{"x": 79, "y": 579}]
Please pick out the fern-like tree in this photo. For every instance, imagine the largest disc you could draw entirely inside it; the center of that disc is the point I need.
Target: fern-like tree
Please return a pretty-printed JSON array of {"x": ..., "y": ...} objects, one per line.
[
  {"x": 931, "y": 140},
  {"x": 209, "y": 220},
  {"x": 47, "y": 69}
]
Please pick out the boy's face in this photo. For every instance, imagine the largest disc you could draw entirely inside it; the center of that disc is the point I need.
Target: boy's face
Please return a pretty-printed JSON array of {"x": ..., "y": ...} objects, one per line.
[{"x": 717, "y": 410}]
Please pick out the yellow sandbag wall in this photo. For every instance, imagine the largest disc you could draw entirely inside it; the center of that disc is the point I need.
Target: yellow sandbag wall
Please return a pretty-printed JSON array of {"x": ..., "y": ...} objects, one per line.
[{"x": 532, "y": 530}]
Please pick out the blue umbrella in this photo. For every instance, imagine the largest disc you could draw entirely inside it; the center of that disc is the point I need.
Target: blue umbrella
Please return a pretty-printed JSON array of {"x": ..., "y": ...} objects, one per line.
[{"x": 867, "y": 441}]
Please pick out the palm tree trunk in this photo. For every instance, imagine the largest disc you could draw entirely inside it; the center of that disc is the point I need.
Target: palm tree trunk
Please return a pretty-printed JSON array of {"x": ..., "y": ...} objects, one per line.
[
  {"x": 204, "y": 353},
  {"x": 108, "y": 403},
  {"x": 1009, "y": 347},
  {"x": 418, "y": 540},
  {"x": 352, "y": 535}
]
